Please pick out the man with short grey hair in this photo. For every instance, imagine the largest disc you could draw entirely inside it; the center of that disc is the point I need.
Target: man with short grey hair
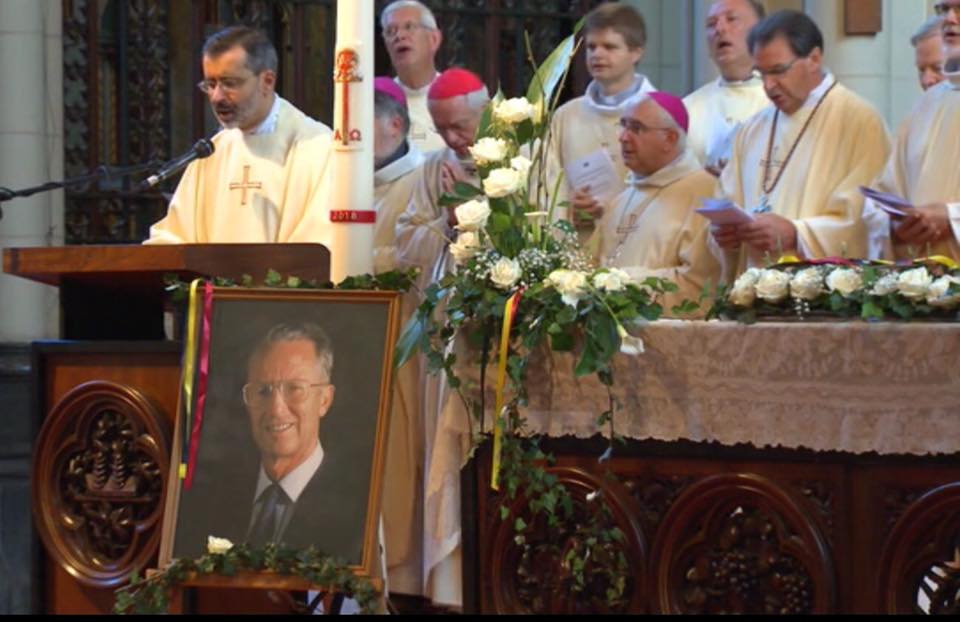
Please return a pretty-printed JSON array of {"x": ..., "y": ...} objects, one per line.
[
  {"x": 267, "y": 180},
  {"x": 717, "y": 108},
  {"x": 412, "y": 40},
  {"x": 927, "y": 43}
]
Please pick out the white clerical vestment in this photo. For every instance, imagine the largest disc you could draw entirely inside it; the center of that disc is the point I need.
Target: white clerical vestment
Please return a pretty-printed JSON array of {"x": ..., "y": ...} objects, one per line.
[
  {"x": 588, "y": 124},
  {"x": 654, "y": 232},
  {"x": 844, "y": 147},
  {"x": 924, "y": 167},
  {"x": 423, "y": 135},
  {"x": 716, "y": 110},
  {"x": 266, "y": 186},
  {"x": 393, "y": 186},
  {"x": 403, "y": 474}
]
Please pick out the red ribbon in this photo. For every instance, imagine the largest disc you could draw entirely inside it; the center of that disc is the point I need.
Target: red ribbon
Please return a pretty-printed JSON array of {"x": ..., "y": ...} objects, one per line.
[
  {"x": 203, "y": 372},
  {"x": 361, "y": 217},
  {"x": 831, "y": 260}
]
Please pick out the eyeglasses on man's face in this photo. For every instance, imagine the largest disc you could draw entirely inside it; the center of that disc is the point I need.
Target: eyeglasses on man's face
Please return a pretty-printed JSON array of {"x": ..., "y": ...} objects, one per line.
[
  {"x": 942, "y": 8},
  {"x": 638, "y": 127},
  {"x": 407, "y": 28},
  {"x": 227, "y": 84},
  {"x": 293, "y": 392},
  {"x": 777, "y": 70}
]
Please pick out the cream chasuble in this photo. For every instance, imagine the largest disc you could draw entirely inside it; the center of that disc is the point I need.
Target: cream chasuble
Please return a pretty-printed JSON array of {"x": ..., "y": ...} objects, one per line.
[
  {"x": 844, "y": 147},
  {"x": 654, "y": 232},
  {"x": 403, "y": 473},
  {"x": 587, "y": 124},
  {"x": 260, "y": 187},
  {"x": 393, "y": 186},
  {"x": 716, "y": 110},
  {"x": 422, "y": 230},
  {"x": 422, "y": 135},
  {"x": 924, "y": 167}
]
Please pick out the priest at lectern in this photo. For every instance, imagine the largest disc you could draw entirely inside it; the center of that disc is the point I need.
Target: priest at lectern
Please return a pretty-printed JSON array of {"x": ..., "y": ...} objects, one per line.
[{"x": 268, "y": 178}]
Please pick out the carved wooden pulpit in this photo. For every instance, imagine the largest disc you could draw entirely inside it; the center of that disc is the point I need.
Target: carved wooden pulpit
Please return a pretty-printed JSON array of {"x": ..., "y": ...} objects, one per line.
[{"x": 106, "y": 399}]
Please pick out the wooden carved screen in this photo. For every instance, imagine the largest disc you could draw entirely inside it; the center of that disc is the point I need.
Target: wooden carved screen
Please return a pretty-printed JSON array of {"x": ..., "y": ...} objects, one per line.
[{"x": 130, "y": 67}]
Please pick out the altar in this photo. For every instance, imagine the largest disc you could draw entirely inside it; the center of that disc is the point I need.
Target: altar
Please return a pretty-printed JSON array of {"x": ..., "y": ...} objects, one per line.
[{"x": 840, "y": 439}]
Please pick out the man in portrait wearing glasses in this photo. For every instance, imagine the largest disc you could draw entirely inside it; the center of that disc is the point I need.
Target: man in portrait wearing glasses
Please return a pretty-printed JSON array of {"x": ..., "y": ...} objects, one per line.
[
  {"x": 298, "y": 498},
  {"x": 797, "y": 165},
  {"x": 718, "y": 107},
  {"x": 923, "y": 166},
  {"x": 412, "y": 39},
  {"x": 267, "y": 180},
  {"x": 653, "y": 230}
]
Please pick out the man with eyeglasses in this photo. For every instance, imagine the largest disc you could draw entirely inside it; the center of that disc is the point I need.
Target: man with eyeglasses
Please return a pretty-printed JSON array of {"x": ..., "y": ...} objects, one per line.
[
  {"x": 412, "y": 39},
  {"x": 296, "y": 498},
  {"x": 797, "y": 165},
  {"x": 268, "y": 178},
  {"x": 653, "y": 230},
  {"x": 718, "y": 107},
  {"x": 923, "y": 166}
]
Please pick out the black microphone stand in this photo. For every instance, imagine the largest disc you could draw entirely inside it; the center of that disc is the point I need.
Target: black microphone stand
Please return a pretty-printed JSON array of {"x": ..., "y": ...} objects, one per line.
[{"x": 103, "y": 172}]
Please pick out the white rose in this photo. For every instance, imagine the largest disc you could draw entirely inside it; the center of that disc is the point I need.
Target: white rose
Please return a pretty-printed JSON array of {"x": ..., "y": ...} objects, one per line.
[
  {"x": 502, "y": 182},
  {"x": 489, "y": 151},
  {"x": 914, "y": 284},
  {"x": 505, "y": 273},
  {"x": 628, "y": 343},
  {"x": 465, "y": 247},
  {"x": 521, "y": 164},
  {"x": 773, "y": 285},
  {"x": 885, "y": 285},
  {"x": 473, "y": 215},
  {"x": 937, "y": 294},
  {"x": 613, "y": 280},
  {"x": 218, "y": 546},
  {"x": 845, "y": 281},
  {"x": 807, "y": 284},
  {"x": 513, "y": 110},
  {"x": 744, "y": 290},
  {"x": 571, "y": 285}
]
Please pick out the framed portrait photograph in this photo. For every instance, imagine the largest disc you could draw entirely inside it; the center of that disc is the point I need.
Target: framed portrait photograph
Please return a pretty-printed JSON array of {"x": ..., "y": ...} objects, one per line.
[{"x": 294, "y": 396}]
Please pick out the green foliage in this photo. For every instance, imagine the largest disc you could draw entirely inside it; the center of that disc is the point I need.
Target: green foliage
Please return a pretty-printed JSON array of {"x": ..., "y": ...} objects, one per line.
[{"x": 152, "y": 595}]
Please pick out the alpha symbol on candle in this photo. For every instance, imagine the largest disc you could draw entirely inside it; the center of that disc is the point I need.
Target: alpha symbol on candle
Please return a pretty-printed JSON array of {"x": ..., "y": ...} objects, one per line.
[
  {"x": 245, "y": 185},
  {"x": 348, "y": 70}
]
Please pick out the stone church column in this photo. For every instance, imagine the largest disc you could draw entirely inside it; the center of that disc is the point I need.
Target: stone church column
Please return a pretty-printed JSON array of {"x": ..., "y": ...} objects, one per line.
[
  {"x": 31, "y": 152},
  {"x": 878, "y": 67}
]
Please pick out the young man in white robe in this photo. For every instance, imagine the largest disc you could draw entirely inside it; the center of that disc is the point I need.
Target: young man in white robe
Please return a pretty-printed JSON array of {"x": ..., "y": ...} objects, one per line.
[
  {"x": 653, "y": 231},
  {"x": 923, "y": 167},
  {"x": 398, "y": 167},
  {"x": 268, "y": 178},
  {"x": 412, "y": 39},
  {"x": 717, "y": 108},
  {"x": 797, "y": 166},
  {"x": 615, "y": 37}
]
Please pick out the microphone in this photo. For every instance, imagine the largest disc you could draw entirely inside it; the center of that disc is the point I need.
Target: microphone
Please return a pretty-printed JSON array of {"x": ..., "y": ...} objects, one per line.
[{"x": 202, "y": 149}]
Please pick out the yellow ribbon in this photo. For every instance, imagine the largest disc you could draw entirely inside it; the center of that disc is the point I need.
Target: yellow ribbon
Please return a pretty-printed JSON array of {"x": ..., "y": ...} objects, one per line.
[
  {"x": 946, "y": 262},
  {"x": 508, "y": 314},
  {"x": 189, "y": 361},
  {"x": 788, "y": 259}
]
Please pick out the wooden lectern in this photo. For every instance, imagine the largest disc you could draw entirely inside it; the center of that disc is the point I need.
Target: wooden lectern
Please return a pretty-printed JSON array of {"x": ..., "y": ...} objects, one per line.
[{"x": 106, "y": 395}]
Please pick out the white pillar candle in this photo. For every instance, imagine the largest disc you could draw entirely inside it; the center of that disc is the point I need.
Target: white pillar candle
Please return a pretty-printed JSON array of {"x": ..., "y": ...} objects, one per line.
[{"x": 351, "y": 210}]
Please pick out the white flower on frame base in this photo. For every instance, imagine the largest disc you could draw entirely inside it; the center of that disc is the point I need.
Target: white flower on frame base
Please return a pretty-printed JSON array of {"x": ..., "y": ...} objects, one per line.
[
  {"x": 845, "y": 281},
  {"x": 914, "y": 284},
  {"x": 465, "y": 248},
  {"x": 571, "y": 285},
  {"x": 472, "y": 215},
  {"x": 487, "y": 151},
  {"x": 612, "y": 280},
  {"x": 773, "y": 286},
  {"x": 513, "y": 110},
  {"x": 806, "y": 284},
  {"x": 505, "y": 273},
  {"x": 503, "y": 182},
  {"x": 218, "y": 546}
]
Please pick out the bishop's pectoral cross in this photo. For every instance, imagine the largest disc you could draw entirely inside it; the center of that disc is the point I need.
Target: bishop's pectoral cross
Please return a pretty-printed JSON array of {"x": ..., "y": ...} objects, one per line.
[{"x": 245, "y": 185}]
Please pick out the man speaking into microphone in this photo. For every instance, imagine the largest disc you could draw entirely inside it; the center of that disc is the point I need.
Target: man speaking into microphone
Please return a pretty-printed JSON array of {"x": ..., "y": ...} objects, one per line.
[{"x": 266, "y": 179}]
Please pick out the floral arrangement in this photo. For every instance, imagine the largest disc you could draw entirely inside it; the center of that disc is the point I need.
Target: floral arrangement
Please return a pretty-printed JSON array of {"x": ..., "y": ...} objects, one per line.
[
  {"x": 151, "y": 594},
  {"x": 927, "y": 288},
  {"x": 521, "y": 282}
]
